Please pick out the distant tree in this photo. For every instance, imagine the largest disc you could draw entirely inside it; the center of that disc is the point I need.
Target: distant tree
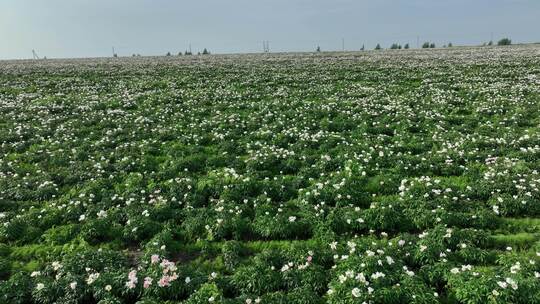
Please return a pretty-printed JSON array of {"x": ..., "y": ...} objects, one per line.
[
  {"x": 187, "y": 53},
  {"x": 450, "y": 44},
  {"x": 363, "y": 48},
  {"x": 378, "y": 47},
  {"x": 179, "y": 53},
  {"x": 504, "y": 41},
  {"x": 198, "y": 53},
  {"x": 133, "y": 55},
  {"x": 432, "y": 45},
  {"x": 425, "y": 45},
  {"x": 406, "y": 46},
  {"x": 318, "y": 49},
  {"x": 168, "y": 54},
  {"x": 394, "y": 46},
  {"x": 490, "y": 43},
  {"x": 115, "y": 55},
  {"x": 205, "y": 52}
]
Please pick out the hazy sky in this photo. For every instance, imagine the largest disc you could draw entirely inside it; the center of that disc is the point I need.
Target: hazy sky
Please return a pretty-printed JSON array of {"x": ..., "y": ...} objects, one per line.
[{"x": 89, "y": 28}]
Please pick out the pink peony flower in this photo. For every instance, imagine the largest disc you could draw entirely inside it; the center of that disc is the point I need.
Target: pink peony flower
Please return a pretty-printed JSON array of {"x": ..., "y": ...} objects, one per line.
[
  {"x": 132, "y": 276},
  {"x": 147, "y": 282},
  {"x": 164, "y": 281},
  {"x": 130, "y": 284}
]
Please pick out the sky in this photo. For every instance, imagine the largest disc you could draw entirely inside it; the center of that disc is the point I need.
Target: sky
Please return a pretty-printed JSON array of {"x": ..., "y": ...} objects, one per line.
[{"x": 90, "y": 28}]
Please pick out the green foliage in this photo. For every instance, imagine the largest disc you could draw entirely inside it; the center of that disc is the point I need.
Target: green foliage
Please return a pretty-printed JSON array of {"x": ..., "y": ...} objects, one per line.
[
  {"x": 206, "y": 293},
  {"x": 60, "y": 235},
  {"x": 377, "y": 177},
  {"x": 5, "y": 268},
  {"x": 504, "y": 41},
  {"x": 231, "y": 252},
  {"x": 5, "y": 250}
]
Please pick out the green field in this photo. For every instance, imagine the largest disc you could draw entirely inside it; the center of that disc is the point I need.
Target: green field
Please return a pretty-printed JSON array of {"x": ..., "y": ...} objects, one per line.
[{"x": 407, "y": 176}]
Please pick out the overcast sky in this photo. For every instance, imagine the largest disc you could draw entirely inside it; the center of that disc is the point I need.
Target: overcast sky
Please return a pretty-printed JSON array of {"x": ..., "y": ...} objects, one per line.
[{"x": 90, "y": 28}]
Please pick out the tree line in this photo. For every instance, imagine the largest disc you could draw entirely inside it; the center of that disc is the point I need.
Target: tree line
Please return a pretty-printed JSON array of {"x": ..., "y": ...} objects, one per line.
[
  {"x": 429, "y": 45},
  {"x": 393, "y": 46}
]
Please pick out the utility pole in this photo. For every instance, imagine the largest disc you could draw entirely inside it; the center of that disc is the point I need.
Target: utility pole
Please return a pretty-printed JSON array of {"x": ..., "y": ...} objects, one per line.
[
  {"x": 491, "y": 37},
  {"x": 34, "y": 55},
  {"x": 417, "y": 42},
  {"x": 343, "y": 44}
]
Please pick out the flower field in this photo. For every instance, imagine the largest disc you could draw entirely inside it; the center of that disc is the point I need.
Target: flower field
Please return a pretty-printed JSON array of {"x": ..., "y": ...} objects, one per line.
[{"x": 407, "y": 176}]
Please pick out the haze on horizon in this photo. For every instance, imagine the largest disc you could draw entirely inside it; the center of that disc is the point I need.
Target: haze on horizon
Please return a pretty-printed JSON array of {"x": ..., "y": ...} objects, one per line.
[{"x": 90, "y": 28}]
